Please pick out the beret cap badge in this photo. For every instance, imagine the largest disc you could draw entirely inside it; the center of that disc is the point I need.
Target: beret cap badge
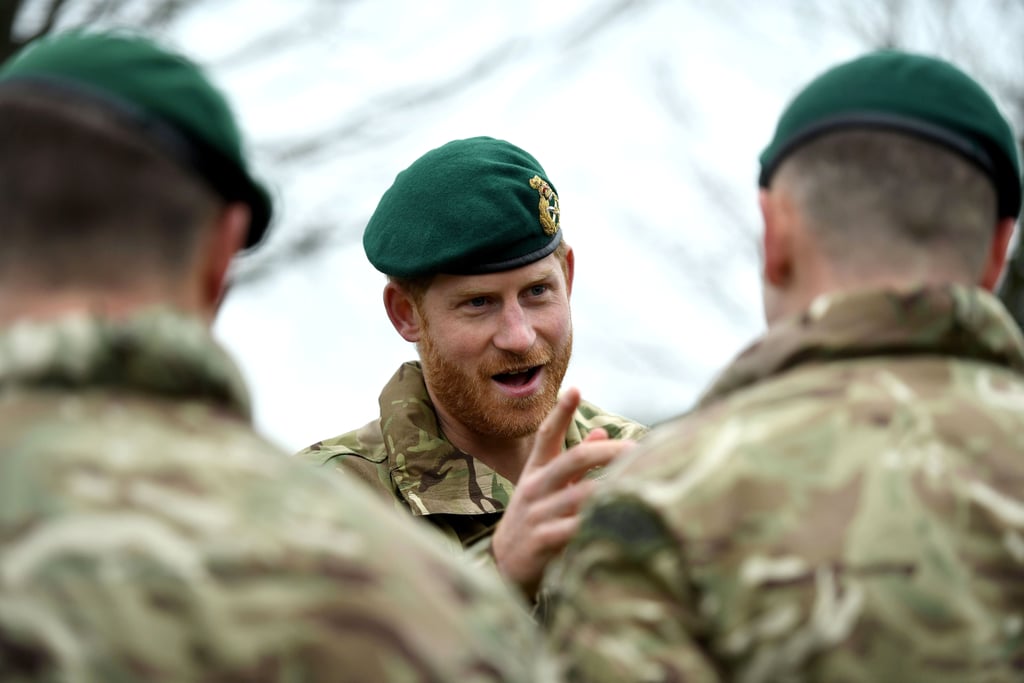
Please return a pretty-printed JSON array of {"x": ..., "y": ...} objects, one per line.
[{"x": 548, "y": 205}]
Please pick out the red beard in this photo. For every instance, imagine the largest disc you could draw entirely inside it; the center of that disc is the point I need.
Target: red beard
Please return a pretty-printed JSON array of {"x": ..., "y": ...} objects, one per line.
[{"x": 470, "y": 397}]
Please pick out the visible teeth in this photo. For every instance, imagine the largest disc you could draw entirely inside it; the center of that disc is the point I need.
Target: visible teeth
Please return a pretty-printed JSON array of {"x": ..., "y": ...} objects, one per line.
[{"x": 524, "y": 371}]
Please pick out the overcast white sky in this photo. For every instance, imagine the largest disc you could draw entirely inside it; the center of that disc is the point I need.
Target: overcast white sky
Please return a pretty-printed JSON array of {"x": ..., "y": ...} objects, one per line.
[
  {"x": 656, "y": 258},
  {"x": 649, "y": 129}
]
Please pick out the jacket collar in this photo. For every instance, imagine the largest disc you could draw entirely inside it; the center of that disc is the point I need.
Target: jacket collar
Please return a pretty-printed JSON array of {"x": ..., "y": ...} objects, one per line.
[
  {"x": 952, "y": 320},
  {"x": 156, "y": 352},
  {"x": 430, "y": 473}
]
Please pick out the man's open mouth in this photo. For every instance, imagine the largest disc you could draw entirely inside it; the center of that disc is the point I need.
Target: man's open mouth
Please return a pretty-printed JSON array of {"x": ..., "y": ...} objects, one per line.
[{"x": 517, "y": 378}]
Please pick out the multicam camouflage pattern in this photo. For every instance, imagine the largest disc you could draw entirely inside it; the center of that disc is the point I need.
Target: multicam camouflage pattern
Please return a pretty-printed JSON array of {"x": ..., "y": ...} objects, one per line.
[
  {"x": 847, "y": 504},
  {"x": 147, "y": 534},
  {"x": 405, "y": 458}
]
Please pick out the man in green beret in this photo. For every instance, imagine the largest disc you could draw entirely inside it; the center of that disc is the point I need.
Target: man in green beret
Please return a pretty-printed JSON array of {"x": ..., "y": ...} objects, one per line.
[
  {"x": 846, "y": 503},
  {"x": 146, "y": 531},
  {"x": 479, "y": 278}
]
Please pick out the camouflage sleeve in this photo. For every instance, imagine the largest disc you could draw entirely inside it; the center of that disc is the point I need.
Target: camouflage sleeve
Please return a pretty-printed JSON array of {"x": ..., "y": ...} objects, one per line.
[
  {"x": 589, "y": 417},
  {"x": 620, "y": 605},
  {"x": 373, "y": 474},
  {"x": 355, "y": 455},
  {"x": 282, "y": 593},
  {"x": 481, "y": 556},
  {"x": 481, "y": 553}
]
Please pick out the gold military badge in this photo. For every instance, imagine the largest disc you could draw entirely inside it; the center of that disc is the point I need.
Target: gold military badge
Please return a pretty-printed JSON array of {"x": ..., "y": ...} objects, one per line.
[{"x": 549, "y": 213}]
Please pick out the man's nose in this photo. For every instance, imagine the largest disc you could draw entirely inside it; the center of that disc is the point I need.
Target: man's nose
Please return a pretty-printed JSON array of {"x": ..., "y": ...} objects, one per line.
[{"x": 516, "y": 333}]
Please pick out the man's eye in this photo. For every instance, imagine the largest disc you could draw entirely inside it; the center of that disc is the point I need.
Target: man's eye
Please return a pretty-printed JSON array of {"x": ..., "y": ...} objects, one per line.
[
  {"x": 537, "y": 290},
  {"x": 478, "y": 301}
]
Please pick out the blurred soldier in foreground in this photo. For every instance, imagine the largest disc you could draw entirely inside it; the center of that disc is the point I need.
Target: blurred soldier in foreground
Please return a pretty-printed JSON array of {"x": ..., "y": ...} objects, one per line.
[
  {"x": 146, "y": 533},
  {"x": 479, "y": 278},
  {"x": 847, "y": 501}
]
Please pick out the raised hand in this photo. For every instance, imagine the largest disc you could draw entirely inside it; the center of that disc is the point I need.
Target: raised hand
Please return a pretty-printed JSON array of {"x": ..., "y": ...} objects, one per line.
[{"x": 543, "y": 513}]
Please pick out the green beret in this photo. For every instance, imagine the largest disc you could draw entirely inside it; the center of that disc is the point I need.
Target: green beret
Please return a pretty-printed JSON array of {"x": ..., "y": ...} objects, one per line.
[
  {"x": 918, "y": 95},
  {"x": 468, "y": 207},
  {"x": 164, "y": 94}
]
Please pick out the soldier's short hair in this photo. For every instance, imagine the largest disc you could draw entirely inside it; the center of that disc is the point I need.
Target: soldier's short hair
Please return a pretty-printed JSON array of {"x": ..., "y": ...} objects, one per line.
[
  {"x": 875, "y": 198},
  {"x": 86, "y": 199}
]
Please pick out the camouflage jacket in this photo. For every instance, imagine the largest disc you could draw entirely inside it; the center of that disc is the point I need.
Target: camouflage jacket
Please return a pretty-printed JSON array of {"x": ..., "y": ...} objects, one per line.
[
  {"x": 147, "y": 534},
  {"x": 846, "y": 504},
  {"x": 405, "y": 458}
]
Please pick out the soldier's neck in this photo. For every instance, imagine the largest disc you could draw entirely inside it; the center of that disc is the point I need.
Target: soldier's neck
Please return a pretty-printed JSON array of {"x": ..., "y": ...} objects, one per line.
[
  {"x": 506, "y": 456},
  {"x": 20, "y": 303}
]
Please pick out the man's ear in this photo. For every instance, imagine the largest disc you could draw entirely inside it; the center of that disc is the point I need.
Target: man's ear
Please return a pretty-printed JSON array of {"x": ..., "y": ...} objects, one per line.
[
  {"x": 570, "y": 269},
  {"x": 402, "y": 312},
  {"x": 997, "y": 253},
  {"x": 778, "y": 242},
  {"x": 223, "y": 242}
]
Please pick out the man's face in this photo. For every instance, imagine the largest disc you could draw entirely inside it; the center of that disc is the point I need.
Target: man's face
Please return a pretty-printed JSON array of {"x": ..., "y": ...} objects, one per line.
[{"x": 496, "y": 347}]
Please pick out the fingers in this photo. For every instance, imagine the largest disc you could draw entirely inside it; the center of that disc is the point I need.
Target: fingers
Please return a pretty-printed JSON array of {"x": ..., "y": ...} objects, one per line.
[
  {"x": 551, "y": 435},
  {"x": 555, "y": 534},
  {"x": 523, "y": 563},
  {"x": 563, "y": 503},
  {"x": 543, "y": 512},
  {"x": 528, "y": 537},
  {"x": 576, "y": 462}
]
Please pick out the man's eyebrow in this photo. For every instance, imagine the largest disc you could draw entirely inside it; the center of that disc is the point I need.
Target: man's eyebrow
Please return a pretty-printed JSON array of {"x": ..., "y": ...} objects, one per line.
[
  {"x": 550, "y": 275},
  {"x": 463, "y": 292},
  {"x": 471, "y": 291}
]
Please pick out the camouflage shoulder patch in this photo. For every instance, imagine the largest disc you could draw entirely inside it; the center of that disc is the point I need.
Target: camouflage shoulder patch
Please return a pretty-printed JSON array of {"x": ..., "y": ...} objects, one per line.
[{"x": 629, "y": 523}]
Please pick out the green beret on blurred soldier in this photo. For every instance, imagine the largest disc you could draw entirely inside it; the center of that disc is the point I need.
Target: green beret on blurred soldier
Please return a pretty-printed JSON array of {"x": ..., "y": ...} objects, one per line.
[
  {"x": 146, "y": 531},
  {"x": 479, "y": 278},
  {"x": 846, "y": 502}
]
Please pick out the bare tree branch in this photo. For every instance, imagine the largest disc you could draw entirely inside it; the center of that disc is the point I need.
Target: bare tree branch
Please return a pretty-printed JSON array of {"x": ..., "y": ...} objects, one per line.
[
  {"x": 596, "y": 21},
  {"x": 324, "y": 14},
  {"x": 390, "y": 106},
  {"x": 101, "y": 10},
  {"x": 8, "y": 14},
  {"x": 313, "y": 240},
  {"x": 674, "y": 104},
  {"x": 164, "y": 13},
  {"x": 50, "y": 20}
]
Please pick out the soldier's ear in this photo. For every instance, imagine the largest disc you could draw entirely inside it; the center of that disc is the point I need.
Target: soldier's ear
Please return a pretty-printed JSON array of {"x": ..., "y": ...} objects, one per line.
[
  {"x": 997, "y": 253},
  {"x": 778, "y": 243},
  {"x": 570, "y": 270},
  {"x": 222, "y": 242},
  {"x": 402, "y": 312}
]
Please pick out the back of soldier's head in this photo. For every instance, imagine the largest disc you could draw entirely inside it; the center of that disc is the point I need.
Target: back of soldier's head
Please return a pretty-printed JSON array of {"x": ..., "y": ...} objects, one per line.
[
  {"x": 877, "y": 200},
  {"x": 116, "y": 156},
  {"x": 87, "y": 200},
  {"x": 894, "y": 157}
]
